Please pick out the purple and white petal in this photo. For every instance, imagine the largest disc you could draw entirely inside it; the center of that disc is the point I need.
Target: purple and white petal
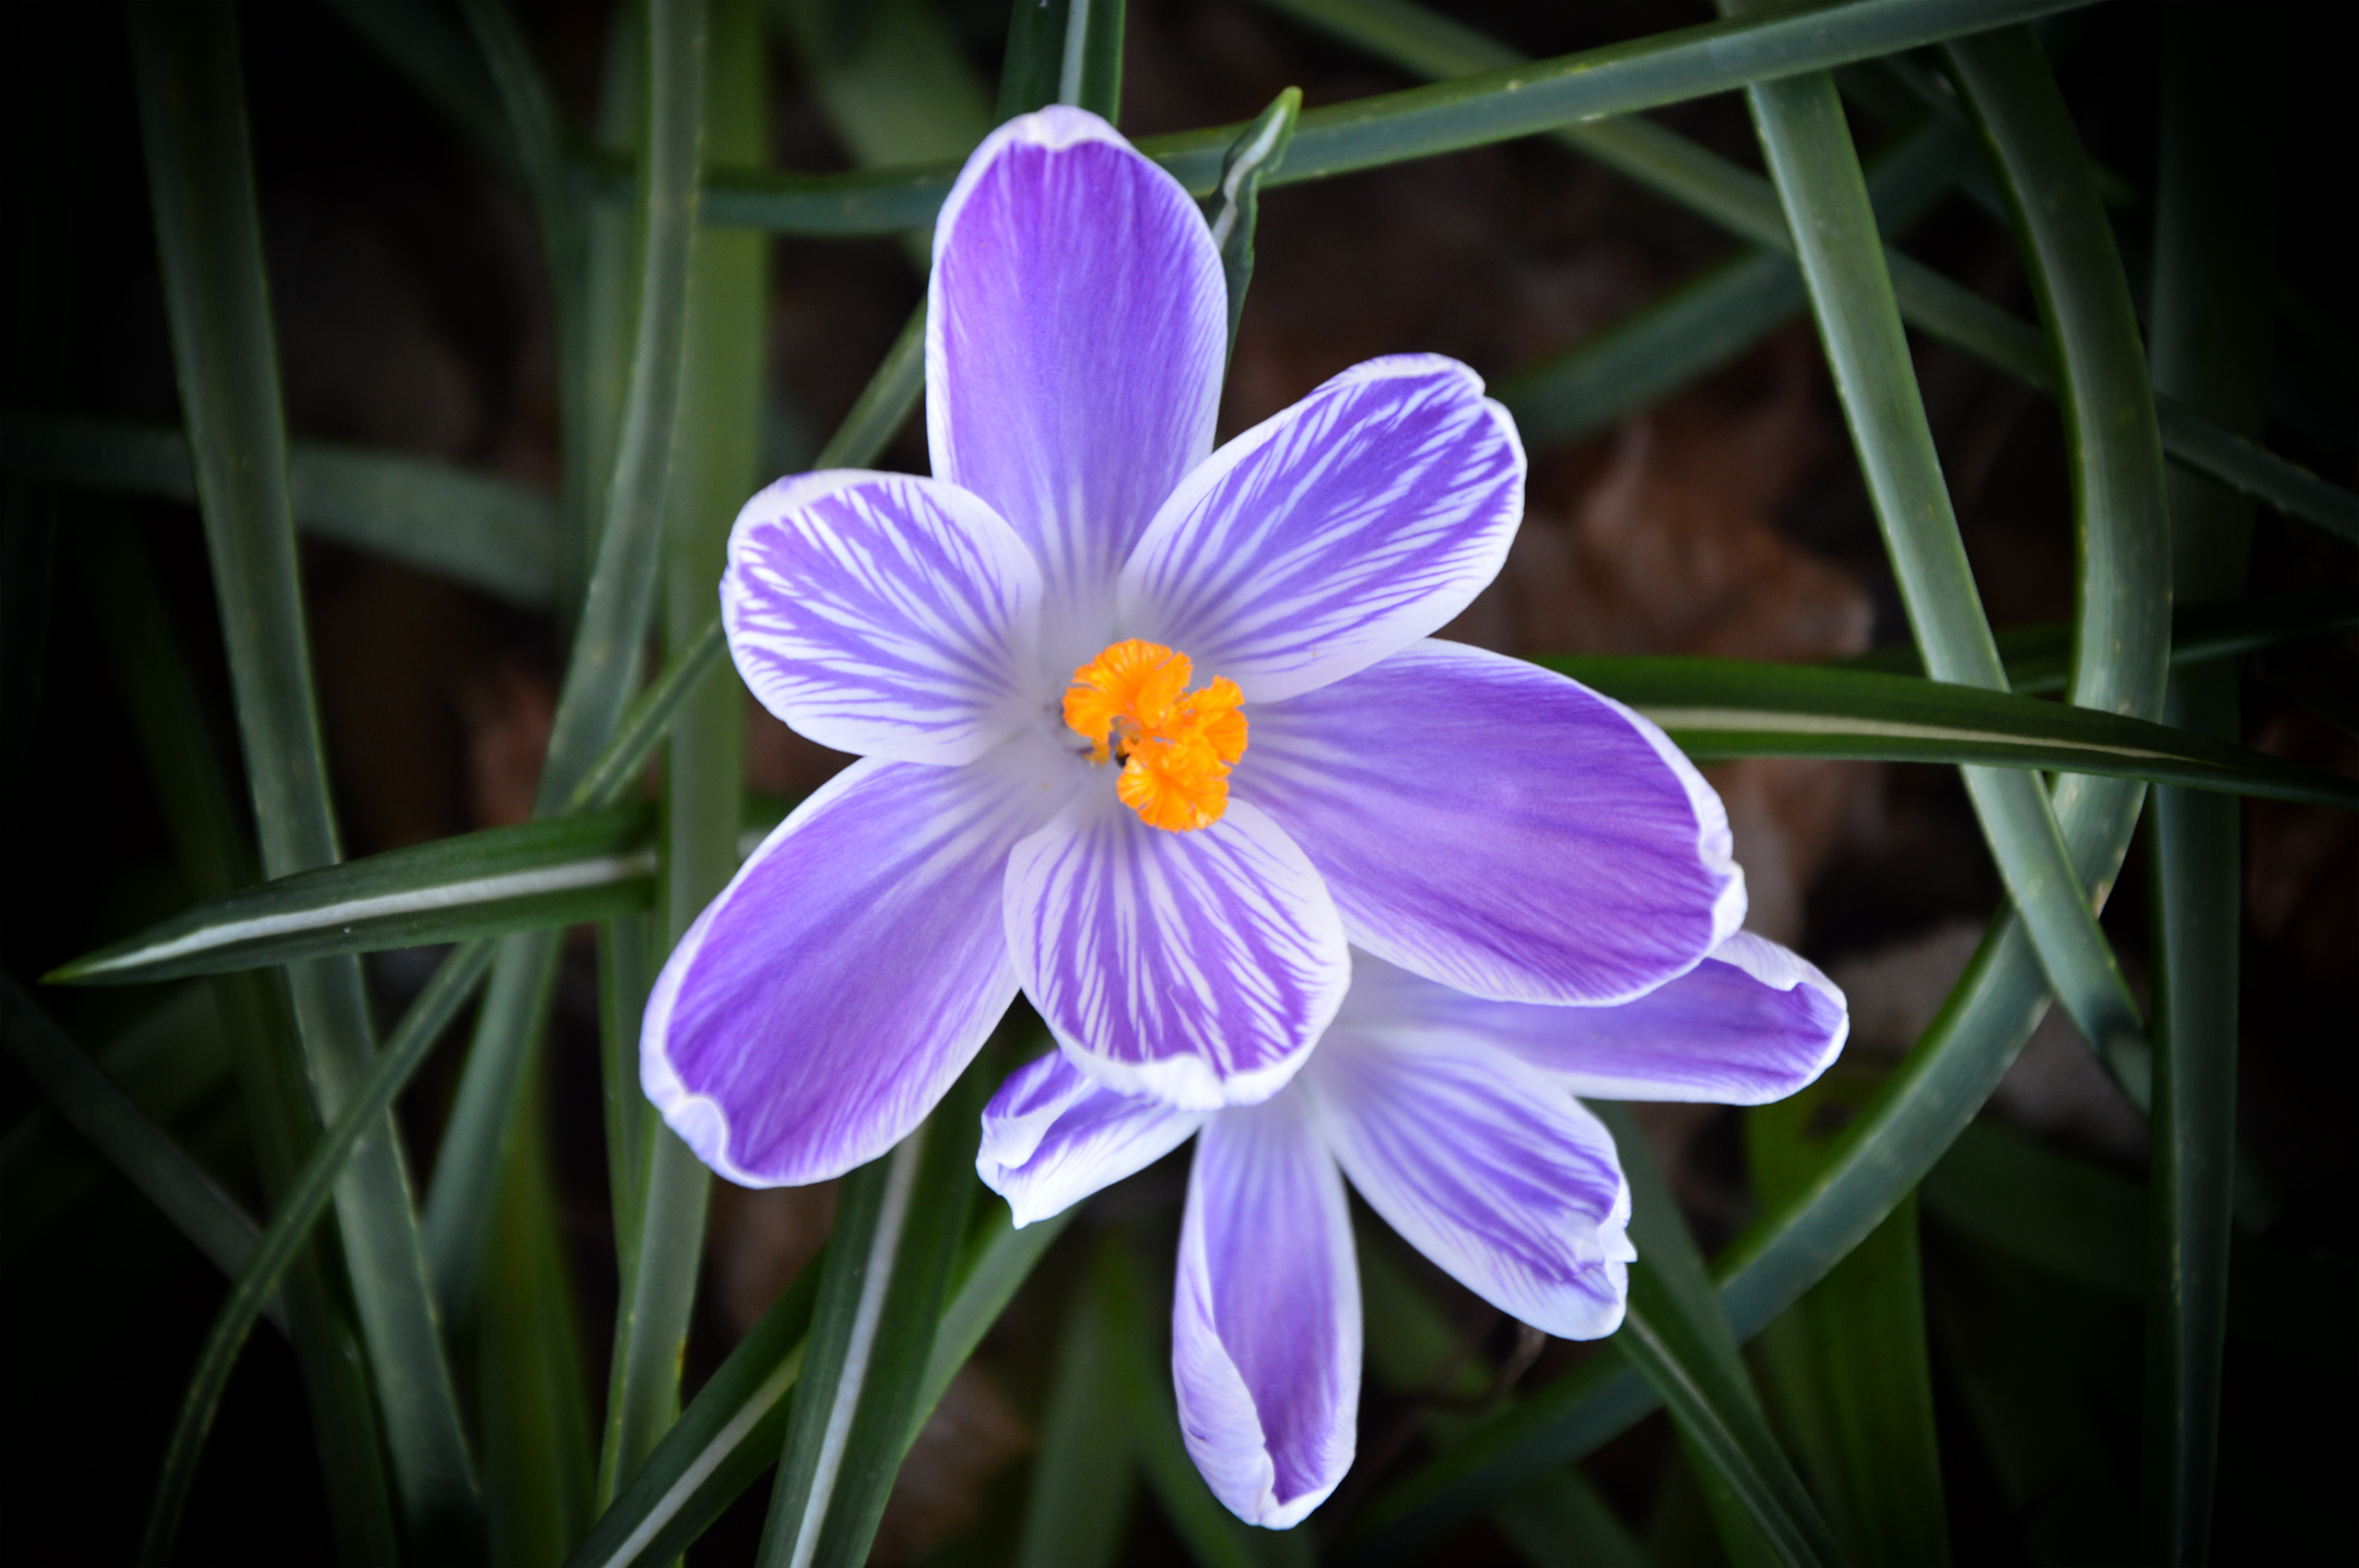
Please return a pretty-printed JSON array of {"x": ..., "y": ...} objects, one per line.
[
  {"x": 884, "y": 615},
  {"x": 1499, "y": 829},
  {"x": 1077, "y": 329},
  {"x": 1750, "y": 1024},
  {"x": 1507, "y": 1182},
  {"x": 1194, "y": 969},
  {"x": 1265, "y": 1319},
  {"x": 1336, "y": 532},
  {"x": 1052, "y": 1138},
  {"x": 821, "y": 1006}
]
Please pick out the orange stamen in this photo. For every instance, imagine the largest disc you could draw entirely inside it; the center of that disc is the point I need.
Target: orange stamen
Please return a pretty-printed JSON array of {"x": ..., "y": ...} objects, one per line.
[{"x": 1176, "y": 745}]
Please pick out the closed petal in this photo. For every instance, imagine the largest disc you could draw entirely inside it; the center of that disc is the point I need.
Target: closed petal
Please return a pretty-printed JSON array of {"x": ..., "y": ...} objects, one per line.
[
  {"x": 1052, "y": 1136},
  {"x": 1077, "y": 327},
  {"x": 1751, "y": 1023},
  {"x": 1336, "y": 532},
  {"x": 1195, "y": 968},
  {"x": 1499, "y": 829},
  {"x": 1265, "y": 1319},
  {"x": 884, "y": 615},
  {"x": 1502, "y": 1179},
  {"x": 821, "y": 1006}
]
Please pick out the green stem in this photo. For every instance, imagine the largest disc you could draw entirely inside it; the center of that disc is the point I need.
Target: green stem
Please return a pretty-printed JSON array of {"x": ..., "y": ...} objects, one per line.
[
  {"x": 186, "y": 772},
  {"x": 538, "y": 127},
  {"x": 208, "y": 234},
  {"x": 160, "y": 1168},
  {"x": 1808, "y": 149},
  {"x": 403, "y": 1056},
  {"x": 715, "y": 455},
  {"x": 604, "y": 662},
  {"x": 2215, "y": 221}
]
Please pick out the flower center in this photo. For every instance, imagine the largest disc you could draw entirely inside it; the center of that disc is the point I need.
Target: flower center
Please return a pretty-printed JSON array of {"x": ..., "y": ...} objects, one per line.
[{"x": 1176, "y": 744}]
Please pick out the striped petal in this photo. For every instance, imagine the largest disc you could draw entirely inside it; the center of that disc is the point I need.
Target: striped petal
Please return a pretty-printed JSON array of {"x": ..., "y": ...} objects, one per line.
[
  {"x": 1194, "y": 969},
  {"x": 1498, "y": 828},
  {"x": 884, "y": 615},
  {"x": 1074, "y": 341},
  {"x": 1336, "y": 532},
  {"x": 1502, "y": 1179},
  {"x": 1751, "y": 1023},
  {"x": 1265, "y": 1321},
  {"x": 1052, "y": 1136},
  {"x": 821, "y": 1006}
]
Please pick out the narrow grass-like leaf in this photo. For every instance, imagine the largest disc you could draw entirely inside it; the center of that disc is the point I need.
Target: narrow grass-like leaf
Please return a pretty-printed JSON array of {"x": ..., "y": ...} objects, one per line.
[
  {"x": 1722, "y": 708},
  {"x": 899, "y": 1225},
  {"x": 537, "y": 127},
  {"x": 702, "y": 82},
  {"x": 144, "y": 1152},
  {"x": 1674, "y": 340},
  {"x": 1846, "y": 1370},
  {"x": 599, "y": 674},
  {"x": 310, "y": 1193},
  {"x": 998, "y": 1260},
  {"x": 2037, "y": 656},
  {"x": 2084, "y": 1223},
  {"x": 538, "y": 1455},
  {"x": 185, "y": 771},
  {"x": 536, "y": 874},
  {"x": 1256, "y": 154},
  {"x": 475, "y": 1156},
  {"x": 1496, "y": 105},
  {"x": 1674, "y": 1335},
  {"x": 191, "y": 94},
  {"x": 171, "y": 1062},
  {"x": 1089, "y": 70},
  {"x": 625, "y": 976},
  {"x": 1704, "y": 324},
  {"x": 1080, "y": 1493},
  {"x": 648, "y": 719},
  {"x": 651, "y": 1324},
  {"x": 2254, "y": 471},
  {"x": 1661, "y": 159},
  {"x": 488, "y": 533},
  {"x": 2215, "y": 225},
  {"x": 731, "y": 1432},
  {"x": 1807, "y": 147},
  {"x": 1696, "y": 327}
]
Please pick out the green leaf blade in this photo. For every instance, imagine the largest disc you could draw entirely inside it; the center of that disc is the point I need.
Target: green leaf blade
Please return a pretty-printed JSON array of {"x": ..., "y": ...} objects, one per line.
[
  {"x": 2214, "y": 226},
  {"x": 191, "y": 93},
  {"x": 1847, "y": 1368},
  {"x": 899, "y": 1225},
  {"x": 1675, "y": 1336},
  {"x": 530, "y": 876}
]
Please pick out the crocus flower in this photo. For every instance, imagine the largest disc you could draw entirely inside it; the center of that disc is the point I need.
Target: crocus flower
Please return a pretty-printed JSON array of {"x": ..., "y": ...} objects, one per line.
[
  {"x": 1148, "y": 730},
  {"x": 1455, "y": 1118}
]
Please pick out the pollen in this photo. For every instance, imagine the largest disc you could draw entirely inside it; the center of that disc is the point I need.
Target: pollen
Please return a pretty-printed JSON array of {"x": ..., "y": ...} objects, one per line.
[{"x": 1176, "y": 746}]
